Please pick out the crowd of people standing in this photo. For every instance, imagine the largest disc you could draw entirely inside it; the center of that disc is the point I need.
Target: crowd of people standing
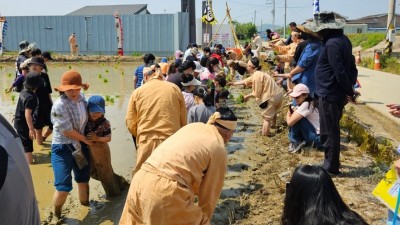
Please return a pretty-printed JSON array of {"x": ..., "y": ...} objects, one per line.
[{"x": 180, "y": 121}]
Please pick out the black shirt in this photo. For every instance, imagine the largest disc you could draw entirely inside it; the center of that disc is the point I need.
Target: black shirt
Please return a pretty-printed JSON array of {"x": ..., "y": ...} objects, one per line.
[
  {"x": 27, "y": 100},
  {"x": 176, "y": 78},
  {"x": 336, "y": 72},
  {"x": 43, "y": 93}
]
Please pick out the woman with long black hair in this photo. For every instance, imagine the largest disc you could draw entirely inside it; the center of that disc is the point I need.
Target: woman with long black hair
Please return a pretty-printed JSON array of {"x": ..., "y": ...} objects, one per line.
[{"x": 312, "y": 199}]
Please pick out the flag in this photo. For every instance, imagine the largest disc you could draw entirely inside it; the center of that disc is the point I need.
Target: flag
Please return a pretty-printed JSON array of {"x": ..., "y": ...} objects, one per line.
[
  {"x": 316, "y": 6},
  {"x": 208, "y": 15},
  {"x": 3, "y": 28}
]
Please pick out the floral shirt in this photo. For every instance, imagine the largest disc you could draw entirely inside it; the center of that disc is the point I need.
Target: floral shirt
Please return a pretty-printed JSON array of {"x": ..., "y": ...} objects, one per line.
[{"x": 101, "y": 127}]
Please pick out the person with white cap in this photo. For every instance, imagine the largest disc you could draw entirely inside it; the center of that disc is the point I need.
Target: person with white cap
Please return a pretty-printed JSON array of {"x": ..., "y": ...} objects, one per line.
[
  {"x": 23, "y": 55},
  {"x": 189, "y": 83},
  {"x": 303, "y": 120},
  {"x": 155, "y": 111},
  {"x": 191, "y": 163}
]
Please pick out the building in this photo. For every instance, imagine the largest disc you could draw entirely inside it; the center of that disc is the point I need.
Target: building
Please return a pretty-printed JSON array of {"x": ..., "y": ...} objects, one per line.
[
  {"x": 369, "y": 24},
  {"x": 161, "y": 34},
  {"x": 105, "y": 10}
]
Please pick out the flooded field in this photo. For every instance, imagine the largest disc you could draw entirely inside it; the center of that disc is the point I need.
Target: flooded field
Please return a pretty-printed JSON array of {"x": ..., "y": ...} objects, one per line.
[
  {"x": 112, "y": 81},
  {"x": 258, "y": 167}
]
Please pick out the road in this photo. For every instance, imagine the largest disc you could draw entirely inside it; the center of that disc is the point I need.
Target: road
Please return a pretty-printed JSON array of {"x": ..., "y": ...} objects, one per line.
[{"x": 378, "y": 89}]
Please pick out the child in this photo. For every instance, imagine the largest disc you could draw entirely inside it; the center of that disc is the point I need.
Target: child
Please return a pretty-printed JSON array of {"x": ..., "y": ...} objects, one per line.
[
  {"x": 204, "y": 106},
  {"x": 98, "y": 130},
  {"x": 17, "y": 85},
  {"x": 26, "y": 106}
]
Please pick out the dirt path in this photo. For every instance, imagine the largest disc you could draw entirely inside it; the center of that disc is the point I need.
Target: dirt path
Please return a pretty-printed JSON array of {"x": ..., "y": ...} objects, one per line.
[{"x": 259, "y": 168}]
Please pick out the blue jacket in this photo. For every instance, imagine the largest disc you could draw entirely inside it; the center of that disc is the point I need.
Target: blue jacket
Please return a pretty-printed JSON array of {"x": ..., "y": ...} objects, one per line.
[{"x": 308, "y": 61}]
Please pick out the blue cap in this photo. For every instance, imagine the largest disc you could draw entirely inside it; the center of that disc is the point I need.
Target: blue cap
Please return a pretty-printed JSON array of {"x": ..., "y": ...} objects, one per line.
[
  {"x": 164, "y": 60},
  {"x": 96, "y": 104}
]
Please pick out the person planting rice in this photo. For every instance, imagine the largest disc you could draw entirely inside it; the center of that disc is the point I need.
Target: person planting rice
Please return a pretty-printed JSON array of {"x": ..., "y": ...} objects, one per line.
[{"x": 190, "y": 163}]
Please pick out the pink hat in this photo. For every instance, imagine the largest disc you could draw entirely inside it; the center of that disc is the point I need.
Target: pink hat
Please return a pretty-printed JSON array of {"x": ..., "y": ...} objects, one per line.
[
  {"x": 298, "y": 90},
  {"x": 178, "y": 54}
]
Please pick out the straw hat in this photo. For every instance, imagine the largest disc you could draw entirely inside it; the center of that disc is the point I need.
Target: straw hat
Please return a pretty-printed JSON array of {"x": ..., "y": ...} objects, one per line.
[{"x": 71, "y": 80}]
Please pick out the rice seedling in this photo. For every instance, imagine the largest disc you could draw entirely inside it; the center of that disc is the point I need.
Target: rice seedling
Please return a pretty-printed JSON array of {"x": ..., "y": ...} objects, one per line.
[
  {"x": 105, "y": 80},
  {"x": 99, "y": 76},
  {"x": 107, "y": 71},
  {"x": 13, "y": 97},
  {"x": 112, "y": 100},
  {"x": 107, "y": 98},
  {"x": 69, "y": 67},
  {"x": 9, "y": 74}
]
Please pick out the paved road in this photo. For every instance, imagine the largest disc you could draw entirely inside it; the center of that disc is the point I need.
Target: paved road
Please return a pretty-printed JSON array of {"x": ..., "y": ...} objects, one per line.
[{"x": 379, "y": 89}]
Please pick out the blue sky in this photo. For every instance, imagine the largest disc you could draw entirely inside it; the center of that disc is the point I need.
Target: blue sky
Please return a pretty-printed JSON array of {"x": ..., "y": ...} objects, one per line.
[{"x": 241, "y": 10}]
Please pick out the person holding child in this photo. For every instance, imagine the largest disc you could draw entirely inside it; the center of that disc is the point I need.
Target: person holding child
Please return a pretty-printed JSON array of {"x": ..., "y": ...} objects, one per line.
[
  {"x": 69, "y": 149},
  {"x": 98, "y": 130},
  {"x": 26, "y": 106}
]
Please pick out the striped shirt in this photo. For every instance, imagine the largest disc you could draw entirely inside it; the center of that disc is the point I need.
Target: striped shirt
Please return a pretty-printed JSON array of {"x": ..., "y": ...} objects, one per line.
[
  {"x": 139, "y": 75},
  {"x": 67, "y": 115}
]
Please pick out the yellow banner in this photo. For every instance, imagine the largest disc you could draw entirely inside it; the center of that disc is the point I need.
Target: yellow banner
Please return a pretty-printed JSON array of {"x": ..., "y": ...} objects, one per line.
[{"x": 208, "y": 15}]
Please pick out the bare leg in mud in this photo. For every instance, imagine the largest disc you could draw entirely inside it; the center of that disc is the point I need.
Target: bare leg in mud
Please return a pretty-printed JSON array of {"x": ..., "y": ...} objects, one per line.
[
  {"x": 59, "y": 199},
  {"x": 47, "y": 133},
  {"x": 266, "y": 128},
  {"x": 83, "y": 189},
  {"x": 39, "y": 136}
]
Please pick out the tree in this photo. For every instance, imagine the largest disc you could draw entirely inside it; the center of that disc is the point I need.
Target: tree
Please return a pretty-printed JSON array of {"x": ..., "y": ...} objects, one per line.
[{"x": 245, "y": 30}]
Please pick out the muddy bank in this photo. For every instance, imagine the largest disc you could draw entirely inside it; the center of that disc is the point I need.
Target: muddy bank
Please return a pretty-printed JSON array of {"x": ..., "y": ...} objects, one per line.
[
  {"x": 83, "y": 58},
  {"x": 259, "y": 168}
]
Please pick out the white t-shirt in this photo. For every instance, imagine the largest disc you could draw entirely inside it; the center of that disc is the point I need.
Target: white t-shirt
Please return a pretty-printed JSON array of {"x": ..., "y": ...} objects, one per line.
[{"x": 310, "y": 113}]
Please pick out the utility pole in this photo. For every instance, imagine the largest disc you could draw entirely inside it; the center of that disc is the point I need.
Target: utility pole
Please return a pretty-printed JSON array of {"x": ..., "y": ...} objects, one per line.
[
  {"x": 255, "y": 14},
  {"x": 284, "y": 21},
  {"x": 273, "y": 14},
  {"x": 391, "y": 27}
]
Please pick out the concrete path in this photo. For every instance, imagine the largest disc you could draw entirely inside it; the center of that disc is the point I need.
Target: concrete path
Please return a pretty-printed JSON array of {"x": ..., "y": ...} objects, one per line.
[{"x": 379, "y": 89}]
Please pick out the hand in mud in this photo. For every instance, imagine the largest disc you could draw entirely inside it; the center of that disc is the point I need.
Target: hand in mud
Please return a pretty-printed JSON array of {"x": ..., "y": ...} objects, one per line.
[
  {"x": 395, "y": 112},
  {"x": 231, "y": 83},
  {"x": 393, "y": 106},
  {"x": 8, "y": 90},
  {"x": 92, "y": 136},
  {"x": 246, "y": 98}
]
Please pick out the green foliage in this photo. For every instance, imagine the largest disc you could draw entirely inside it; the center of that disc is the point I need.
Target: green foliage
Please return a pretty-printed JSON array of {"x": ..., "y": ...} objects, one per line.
[
  {"x": 245, "y": 30},
  {"x": 107, "y": 98},
  {"x": 105, "y": 80},
  {"x": 107, "y": 71},
  {"x": 240, "y": 99},
  {"x": 366, "y": 41},
  {"x": 389, "y": 64},
  {"x": 136, "y": 54},
  {"x": 100, "y": 76}
]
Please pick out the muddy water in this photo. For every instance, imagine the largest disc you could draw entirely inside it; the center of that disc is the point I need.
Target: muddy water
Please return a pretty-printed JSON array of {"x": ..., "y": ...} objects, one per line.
[
  {"x": 114, "y": 82},
  {"x": 118, "y": 87}
]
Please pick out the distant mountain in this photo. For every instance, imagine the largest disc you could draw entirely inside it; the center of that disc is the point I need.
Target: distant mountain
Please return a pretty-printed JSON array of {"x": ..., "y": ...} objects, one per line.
[{"x": 265, "y": 26}]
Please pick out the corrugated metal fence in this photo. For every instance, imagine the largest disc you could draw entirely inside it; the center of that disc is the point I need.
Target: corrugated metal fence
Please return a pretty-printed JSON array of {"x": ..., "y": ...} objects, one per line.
[{"x": 161, "y": 34}]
